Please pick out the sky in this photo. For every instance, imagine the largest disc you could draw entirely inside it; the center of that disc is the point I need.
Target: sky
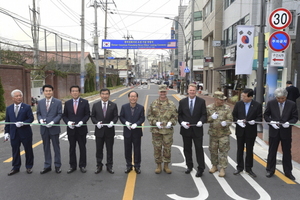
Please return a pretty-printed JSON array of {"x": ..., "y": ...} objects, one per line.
[{"x": 139, "y": 19}]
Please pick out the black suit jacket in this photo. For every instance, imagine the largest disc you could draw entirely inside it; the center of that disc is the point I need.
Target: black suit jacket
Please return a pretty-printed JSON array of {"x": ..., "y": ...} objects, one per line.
[
  {"x": 111, "y": 115},
  {"x": 82, "y": 114},
  {"x": 254, "y": 113},
  {"x": 199, "y": 114},
  {"x": 289, "y": 114},
  {"x": 293, "y": 93},
  {"x": 138, "y": 118}
]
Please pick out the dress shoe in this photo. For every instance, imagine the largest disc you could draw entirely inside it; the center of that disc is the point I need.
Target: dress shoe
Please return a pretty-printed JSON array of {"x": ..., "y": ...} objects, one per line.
[
  {"x": 45, "y": 170},
  {"x": 238, "y": 171},
  {"x": 188, "y": 170},
  {"x": 269, "y": 174},
  {"x": 128, "y": 169},
  {"x": 199, "y": 173},
  {"x": 98, "y": 170},
  {"x": 251, "y": 173},
  {"x": 29, "y": 171},
  {"x": 82, "y": 169},
  {"x": 71, "y": 170},
  {"x": 12, "y": 172},
  {"x": 58, "y": 170},
  {"x": 110, "y": 170},
  {"x": 137, "y": 170},
  {"x": 290, "y": 176}
]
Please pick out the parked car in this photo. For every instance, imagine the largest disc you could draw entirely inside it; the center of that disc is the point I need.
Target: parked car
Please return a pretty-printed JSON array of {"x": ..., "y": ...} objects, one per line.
[{"x": 144, "y": 82}]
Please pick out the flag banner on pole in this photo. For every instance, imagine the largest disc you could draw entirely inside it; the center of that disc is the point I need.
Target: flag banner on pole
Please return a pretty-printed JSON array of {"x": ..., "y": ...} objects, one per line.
[
  {"x": 244, "y": 49},
  {"x": 182, "y": 67}
]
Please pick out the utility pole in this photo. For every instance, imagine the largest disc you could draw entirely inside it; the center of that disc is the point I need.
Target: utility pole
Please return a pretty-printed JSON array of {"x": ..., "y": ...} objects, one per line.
[
  {"x": 35, "y": 36},
  {"x": 104, "y": 58},
  {"x": 82, "y": 68},
  {"x": 127, "y": 63},
  {"x": 96, "y": 45},
  {"x": 192, "y": 42}
]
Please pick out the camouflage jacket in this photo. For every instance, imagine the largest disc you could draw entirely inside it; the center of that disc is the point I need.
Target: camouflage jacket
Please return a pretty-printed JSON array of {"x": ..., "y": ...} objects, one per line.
[
  {"x": 162, "y": 111},
  {"x": 215, "y": 127}
]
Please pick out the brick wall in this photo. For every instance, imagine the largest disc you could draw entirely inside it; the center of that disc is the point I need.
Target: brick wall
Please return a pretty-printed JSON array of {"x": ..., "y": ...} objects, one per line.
[{"x": 15, "y": 77}]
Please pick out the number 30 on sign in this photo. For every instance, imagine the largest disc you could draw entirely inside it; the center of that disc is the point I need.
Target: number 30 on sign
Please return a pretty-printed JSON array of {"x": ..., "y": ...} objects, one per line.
[{"x": 280, "y": 18}]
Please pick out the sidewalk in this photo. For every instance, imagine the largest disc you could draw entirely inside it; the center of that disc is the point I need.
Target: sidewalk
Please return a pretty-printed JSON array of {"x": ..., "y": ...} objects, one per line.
[{"x": 261, "y": 147}]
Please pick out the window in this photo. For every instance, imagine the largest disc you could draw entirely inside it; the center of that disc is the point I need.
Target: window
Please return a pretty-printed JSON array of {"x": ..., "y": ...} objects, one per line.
[
  {"x": 209, "y": 7},
  {"x": 198, "y": 35},
  {"x": 227, "y": 3},
  {"x": 198, "y": 16},
  {"x": 198, "y": 54}
]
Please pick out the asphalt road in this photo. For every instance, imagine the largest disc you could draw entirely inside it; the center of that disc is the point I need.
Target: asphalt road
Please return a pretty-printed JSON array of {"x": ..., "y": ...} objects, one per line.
[{"x": 145, "y": 186}]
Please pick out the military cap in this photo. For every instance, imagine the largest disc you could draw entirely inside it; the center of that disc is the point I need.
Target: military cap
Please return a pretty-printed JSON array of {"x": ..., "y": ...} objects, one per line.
[
  {"x": 219, "y": 95},
  {"x": 162, "y": 88}
]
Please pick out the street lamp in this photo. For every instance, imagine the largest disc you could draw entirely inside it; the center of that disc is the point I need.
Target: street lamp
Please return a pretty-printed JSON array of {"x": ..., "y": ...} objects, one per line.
[{"x": 186, "y": 46}]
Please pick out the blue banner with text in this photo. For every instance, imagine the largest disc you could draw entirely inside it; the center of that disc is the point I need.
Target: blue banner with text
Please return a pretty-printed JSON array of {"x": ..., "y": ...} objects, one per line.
[{"x": 139, "y": 44}]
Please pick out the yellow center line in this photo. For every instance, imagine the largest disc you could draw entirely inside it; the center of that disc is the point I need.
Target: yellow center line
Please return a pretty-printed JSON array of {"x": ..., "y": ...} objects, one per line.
[
  {"x": 131, "y": 178},
  {"x": 23, "y": 152},
  {"x": 125, "y": 93}
]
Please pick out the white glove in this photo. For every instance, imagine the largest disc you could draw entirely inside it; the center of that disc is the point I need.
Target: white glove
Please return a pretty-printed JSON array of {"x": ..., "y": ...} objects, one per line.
[
  {"x": 286, "y": 125},
  {"x": 50, "y": 124},
  {"x": 99, "y": 125},
  {"x": 111, "y": 124},
  {"x": 252, "y": 122},
  {"x": 215, "y": 115},
  {"x": 79, "y": 124},
  {"x": 19, "y": 124},
  {"x": 128, "y": 124},
  {"x": 169, "y": 125},
  {"x": 6, "y": 137},
  {"x": 43, "y": 122},
  {"x": 224, "y": 123},
  {"x": 274, "y": 124},
  {"x": 158, "y": 124},
  {"x": 185, "y": 124},
  {"x": 71, "y": 124},
  {"x": 133, "y": 126},
  {"x": 199, "y": 124},
  {"x": 241, "y": 123}
]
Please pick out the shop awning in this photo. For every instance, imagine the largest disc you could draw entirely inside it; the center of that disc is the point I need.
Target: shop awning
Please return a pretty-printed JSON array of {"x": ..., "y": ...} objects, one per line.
[{"x": 225, "y": 67}]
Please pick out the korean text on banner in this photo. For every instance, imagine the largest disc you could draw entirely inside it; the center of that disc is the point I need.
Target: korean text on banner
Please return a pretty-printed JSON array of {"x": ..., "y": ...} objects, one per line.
[{"x": 245, "y": 49}]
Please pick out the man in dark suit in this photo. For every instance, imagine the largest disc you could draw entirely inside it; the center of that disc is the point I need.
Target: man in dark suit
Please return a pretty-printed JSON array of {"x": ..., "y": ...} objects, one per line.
[
  {"x": 19, "y": 132},
  {"x": 293, "y": 92},
  {"x": 192, "y": 115},
  {"x": 76, "y": 114},
  {"x": 132, "y": 115},
  {"x": 49, "y": 113},
  {"x": 280, "y": 113},
  {"x": 104, "y": 115},
  {"x": 246, "y": 113}
]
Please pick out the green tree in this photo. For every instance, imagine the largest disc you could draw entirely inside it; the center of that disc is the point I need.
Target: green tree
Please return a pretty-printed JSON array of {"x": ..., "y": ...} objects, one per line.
[
  {"x": 89, "y": 85},
  {"x": 2, "y": 103}
]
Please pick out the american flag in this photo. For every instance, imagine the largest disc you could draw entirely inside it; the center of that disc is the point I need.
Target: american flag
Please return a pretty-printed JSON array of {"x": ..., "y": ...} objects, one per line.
[{"x": 171, "y": 44}]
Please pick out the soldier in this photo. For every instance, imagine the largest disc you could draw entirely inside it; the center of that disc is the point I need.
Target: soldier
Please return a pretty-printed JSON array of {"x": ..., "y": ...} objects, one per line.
[
  {"x": 182, "y": 86},
  {"x": 219, "y": 143},
  {"x": 162, "y": 113}
]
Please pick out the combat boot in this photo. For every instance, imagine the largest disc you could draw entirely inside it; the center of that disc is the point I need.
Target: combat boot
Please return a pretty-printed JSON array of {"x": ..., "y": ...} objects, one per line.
[
  {"x": 213, "y": 169},
  {"x": 158, "y": 168},
  {"x": 166, "y": 168},
  {"x": 222, "y": 172}
]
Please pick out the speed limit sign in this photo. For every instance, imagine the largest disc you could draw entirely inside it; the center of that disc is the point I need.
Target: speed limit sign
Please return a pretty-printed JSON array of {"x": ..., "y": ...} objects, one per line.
[{"x": 280, "y": 18}]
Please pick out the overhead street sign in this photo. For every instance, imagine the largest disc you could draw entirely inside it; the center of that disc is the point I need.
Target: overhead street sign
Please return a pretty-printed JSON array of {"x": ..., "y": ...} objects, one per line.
[
  {"x": 279, "y": 41},
  {"x": 186, "y": 70},
  {"x": 139, "y": 44},
  {"x": 280, "y": 18},
  {"x": 277, "y": 59}
]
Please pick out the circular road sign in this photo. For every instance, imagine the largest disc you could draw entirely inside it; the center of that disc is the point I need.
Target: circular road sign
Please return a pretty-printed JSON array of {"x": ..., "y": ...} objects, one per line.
[
  {"x": 280, "y": 18},
  {"x": 279, "y": 41}
]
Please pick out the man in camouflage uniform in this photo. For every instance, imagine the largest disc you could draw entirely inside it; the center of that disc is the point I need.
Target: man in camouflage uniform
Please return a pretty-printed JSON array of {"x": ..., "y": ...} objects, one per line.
[
  {"x": 219, "y": 145},
  {"x": 162, "y": 113}
]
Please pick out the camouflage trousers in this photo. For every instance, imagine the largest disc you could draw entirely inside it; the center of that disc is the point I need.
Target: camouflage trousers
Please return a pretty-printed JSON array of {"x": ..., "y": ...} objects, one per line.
[
  {"x": 219, "y": 147},
  {"x": 162, "y": 147}
]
